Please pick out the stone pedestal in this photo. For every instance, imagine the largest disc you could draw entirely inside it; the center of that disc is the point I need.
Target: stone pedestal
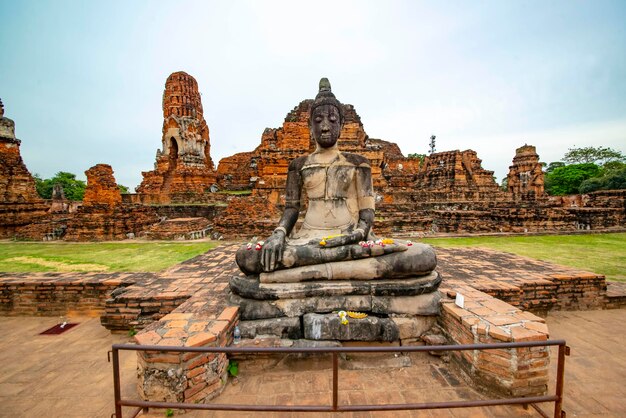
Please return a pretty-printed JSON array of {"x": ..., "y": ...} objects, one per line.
[{"x": 397, "y": 309}]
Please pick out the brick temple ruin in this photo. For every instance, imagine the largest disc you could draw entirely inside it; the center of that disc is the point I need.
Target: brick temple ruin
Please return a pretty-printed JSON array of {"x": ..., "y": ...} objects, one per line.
[
  {"x": 186, "y": 305},
  {"x": 183, "y": 165},
  {"x": 19, "y": 202},
  {"x": 187, "y": 197}
]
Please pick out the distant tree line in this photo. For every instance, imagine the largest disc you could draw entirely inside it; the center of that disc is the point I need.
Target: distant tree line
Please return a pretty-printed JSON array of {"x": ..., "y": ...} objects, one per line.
[
  {"x": 73, "y": 188},
  {"x": 585, "y": 170}
]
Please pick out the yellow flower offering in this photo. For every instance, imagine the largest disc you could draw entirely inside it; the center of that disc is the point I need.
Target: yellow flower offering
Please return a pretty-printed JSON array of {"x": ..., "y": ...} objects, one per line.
[
  {"x": 323, "y": 241},
  {"x": 357, "y": 315},
  {"x": 387, "y": 241}
]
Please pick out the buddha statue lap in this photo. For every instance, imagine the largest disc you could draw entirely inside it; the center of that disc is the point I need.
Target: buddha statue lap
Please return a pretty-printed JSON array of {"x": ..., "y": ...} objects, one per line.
[{"x": 335, "y": 241}]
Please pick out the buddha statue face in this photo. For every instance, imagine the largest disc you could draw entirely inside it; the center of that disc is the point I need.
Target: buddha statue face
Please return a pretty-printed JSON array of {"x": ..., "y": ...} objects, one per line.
[{"x": 325, "y": 125}]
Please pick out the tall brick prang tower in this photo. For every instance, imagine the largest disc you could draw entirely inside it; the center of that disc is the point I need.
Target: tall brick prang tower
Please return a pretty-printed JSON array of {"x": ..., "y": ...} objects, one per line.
[{"x": 183, "y": 164}]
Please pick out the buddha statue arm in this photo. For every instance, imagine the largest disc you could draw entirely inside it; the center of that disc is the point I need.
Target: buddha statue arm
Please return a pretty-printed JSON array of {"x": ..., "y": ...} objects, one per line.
[{"x": 272, "y": 252}]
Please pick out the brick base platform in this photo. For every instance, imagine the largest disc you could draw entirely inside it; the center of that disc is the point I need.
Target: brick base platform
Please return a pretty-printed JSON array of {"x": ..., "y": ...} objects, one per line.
[
  {"x": 186, "y": 305},
  {"x": 485, "y": 320},
  {"x": 529, "y": 284}
]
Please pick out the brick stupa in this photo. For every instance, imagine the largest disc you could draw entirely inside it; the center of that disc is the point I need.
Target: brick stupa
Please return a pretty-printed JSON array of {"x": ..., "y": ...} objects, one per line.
[
  {"x": 183, "y": 164},
  {"x": 19, "y": 202}
]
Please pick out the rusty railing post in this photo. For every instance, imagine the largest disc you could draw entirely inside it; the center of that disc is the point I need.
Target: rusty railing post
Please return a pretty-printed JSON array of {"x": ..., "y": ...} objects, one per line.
[
  {"x": 335, "y": 380},
  {"x": 560, "y": 375},
  {"x": 116, "y": 383}
]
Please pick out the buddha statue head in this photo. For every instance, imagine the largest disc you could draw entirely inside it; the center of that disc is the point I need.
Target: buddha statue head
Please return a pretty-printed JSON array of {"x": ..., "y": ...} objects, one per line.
[{"x": 326, "y": 116}]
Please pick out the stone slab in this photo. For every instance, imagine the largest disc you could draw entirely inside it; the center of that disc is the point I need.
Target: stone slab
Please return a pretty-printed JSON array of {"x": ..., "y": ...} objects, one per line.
[
  {"x": 251, "y": 309},
  {"x": 329, "y": 327},
  {"x": 250, "y": 287},
  {"x": 280, "y": 327},
  {"x": 426, "y": 304}
]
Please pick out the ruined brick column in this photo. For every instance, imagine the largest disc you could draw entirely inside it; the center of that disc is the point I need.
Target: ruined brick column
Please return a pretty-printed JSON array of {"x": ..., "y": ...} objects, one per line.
[
  {"x": 525, "y": 179},
  {"x": 183, "y": 164}
]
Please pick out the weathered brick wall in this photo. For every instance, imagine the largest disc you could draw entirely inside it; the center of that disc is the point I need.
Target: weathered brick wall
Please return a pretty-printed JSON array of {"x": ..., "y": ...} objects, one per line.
[
  {"x": 23, "y": 295},
  {"x": 198, "y": 377},
  {"x": 248, "y": 216},
  {"x": 179, "y": 229},
  {"x": 238, "y": 172},
  {"x": 484, "y": 320},
  {"x": 101, "y": 222},
  {"x": 135, "y": 311},
  {"x": 50, "y": 228},
  {"x": 208, "y": 211}
]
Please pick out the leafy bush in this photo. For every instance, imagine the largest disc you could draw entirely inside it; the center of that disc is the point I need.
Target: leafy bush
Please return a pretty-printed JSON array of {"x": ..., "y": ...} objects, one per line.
[
  {"x": 612, "y": 180},
  {"x": 73, "y": 189},
  {"x": 568, "y": 179}
]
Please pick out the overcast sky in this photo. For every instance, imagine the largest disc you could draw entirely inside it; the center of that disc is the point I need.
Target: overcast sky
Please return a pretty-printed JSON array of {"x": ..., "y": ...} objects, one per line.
[{"x": 83, "y": 80}]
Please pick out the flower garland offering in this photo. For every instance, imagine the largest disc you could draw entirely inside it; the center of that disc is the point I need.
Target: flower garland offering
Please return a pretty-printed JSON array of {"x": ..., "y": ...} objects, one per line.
[
  {"x": 259, "y": 245},
  {"x": 383, "y": 241},
  {"x": 409, "y": 243}
]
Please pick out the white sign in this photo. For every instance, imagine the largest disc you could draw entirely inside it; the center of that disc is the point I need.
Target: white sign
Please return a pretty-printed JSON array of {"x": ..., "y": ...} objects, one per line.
[{"x": 460, "y": 300}]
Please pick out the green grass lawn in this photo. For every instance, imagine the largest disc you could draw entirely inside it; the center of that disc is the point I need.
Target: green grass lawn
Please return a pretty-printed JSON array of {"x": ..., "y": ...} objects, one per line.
[
  {"x": 598, "y": 253},
  {"x": 105, "y": 257}
]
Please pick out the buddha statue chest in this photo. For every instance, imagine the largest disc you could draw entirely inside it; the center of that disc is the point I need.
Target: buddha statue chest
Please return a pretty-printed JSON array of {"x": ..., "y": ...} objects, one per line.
[
  {"x": 329, "y": 181},
  {"x": 331, "y": 189}
]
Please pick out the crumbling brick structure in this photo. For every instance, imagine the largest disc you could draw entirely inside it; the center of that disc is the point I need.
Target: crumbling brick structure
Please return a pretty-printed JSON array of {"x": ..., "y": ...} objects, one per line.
[
  {"x": 525, "y": 179},
  {"x": 447, "y": 192},
  {"x": 183, "y": 164},
  {"x": 103, "y": 216},
  {"x": 20, "y": 204}
]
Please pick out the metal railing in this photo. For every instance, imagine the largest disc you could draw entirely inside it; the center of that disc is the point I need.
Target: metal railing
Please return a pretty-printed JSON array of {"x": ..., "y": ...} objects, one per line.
[{"x": 557, "y": 398}]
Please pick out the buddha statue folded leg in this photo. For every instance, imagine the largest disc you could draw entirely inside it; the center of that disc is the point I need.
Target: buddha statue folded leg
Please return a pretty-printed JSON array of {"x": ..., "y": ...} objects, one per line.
[
  {"x": 417, "y": 260},
  {"x": 249, "y": 259}
]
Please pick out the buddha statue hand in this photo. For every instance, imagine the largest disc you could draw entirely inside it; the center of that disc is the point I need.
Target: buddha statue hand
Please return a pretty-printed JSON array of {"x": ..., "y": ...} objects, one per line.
[
  {"x": 272, "y": 251},
  {"x": 341, "y": 240}
]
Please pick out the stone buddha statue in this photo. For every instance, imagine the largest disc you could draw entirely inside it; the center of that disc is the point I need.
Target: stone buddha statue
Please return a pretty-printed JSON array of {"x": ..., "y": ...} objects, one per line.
[{"x": 335, "y": 240}]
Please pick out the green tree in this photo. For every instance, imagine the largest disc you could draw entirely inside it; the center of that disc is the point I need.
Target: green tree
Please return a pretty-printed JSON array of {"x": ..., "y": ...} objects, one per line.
[
  {"x": 123, "y": 189},
  {"x": 568, "y": 179},
  {"x": 504, "y": 185},
  {"x": 418, "y": 156},
  {"x": 553, "y": 165},
  {"x": 596, "y": 155},
  {"x": 74, "y": 189},
  {"x": 611, "y": 180}
]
